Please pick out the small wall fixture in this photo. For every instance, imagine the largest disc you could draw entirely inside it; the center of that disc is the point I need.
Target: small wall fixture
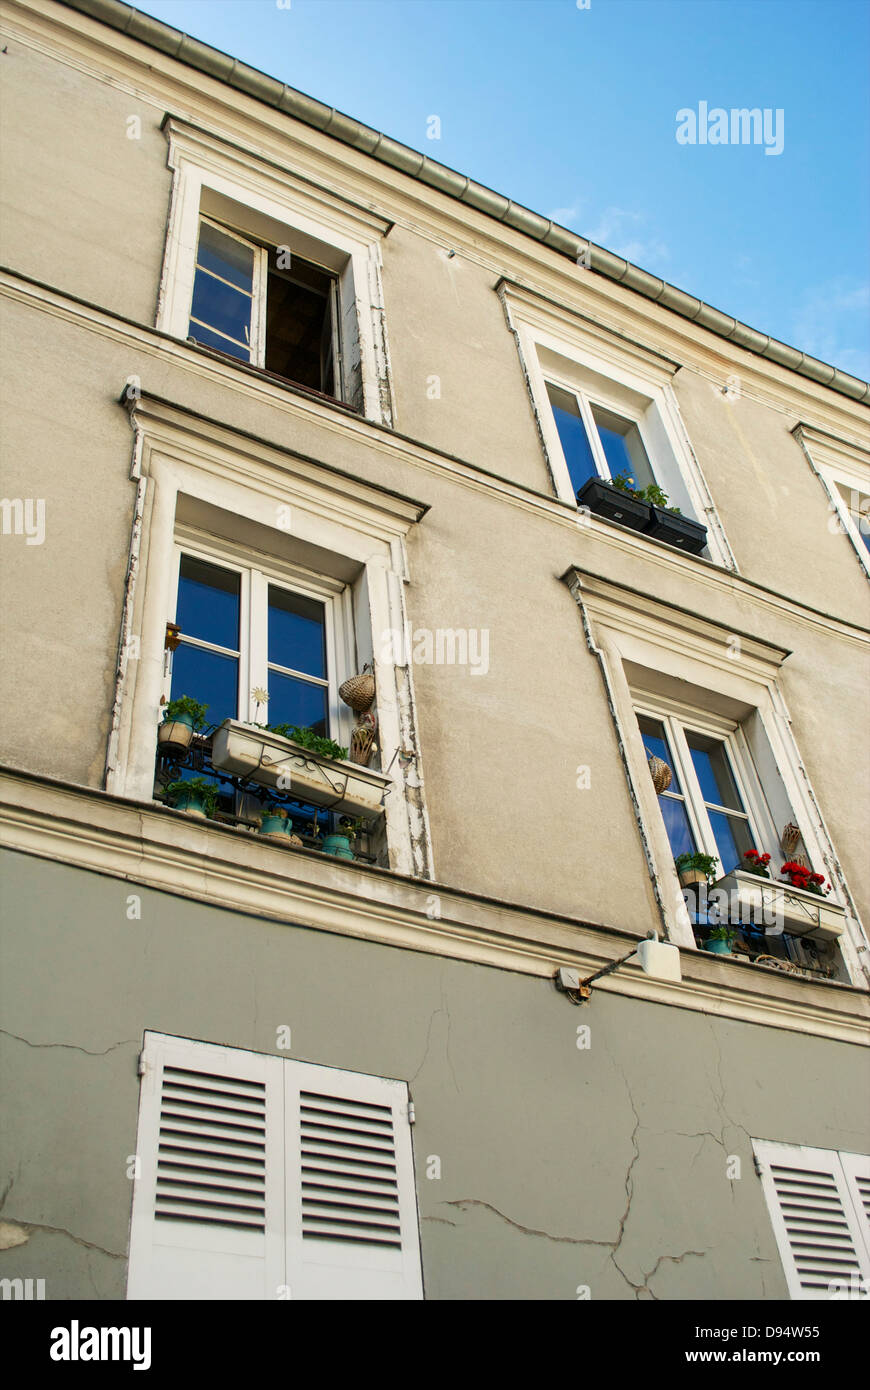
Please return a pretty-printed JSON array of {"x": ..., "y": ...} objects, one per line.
[{"x": 656, "y": 958}]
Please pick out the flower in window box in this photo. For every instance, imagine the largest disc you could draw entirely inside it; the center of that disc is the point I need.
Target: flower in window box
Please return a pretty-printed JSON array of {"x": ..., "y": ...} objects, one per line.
[
  {"x": 799, "y": 876},
  {"x": 755, "y": 863}
]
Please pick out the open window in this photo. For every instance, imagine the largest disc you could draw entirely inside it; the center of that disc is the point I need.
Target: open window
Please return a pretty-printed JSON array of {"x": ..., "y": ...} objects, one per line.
[
  {"x": 269, "y": 269},
  {"x": 265, "y": 306}
]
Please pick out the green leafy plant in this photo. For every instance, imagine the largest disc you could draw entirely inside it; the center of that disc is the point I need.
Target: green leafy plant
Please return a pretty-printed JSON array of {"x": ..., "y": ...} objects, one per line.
[
  {"x": 206, "y": 791},
  {"x": 721, "y": 934},
  {"x": 270, "y": 809},
  {"x": 307, "y": 738},
  {"x": 704, "y": 863},
  {"x": 350, "y": 826},
  {"x": 652, "y": 493},
  {"x": 185, "y": 705}
]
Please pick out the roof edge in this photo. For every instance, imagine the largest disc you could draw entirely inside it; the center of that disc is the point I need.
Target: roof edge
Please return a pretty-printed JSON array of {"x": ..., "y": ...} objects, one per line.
[{"x": 329, "y": 121}]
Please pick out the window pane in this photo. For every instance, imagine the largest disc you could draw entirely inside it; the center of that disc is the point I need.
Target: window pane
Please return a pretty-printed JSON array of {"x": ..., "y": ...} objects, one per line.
[
  {"x": 714, "y": 772},
  {"x": 208, "y": 603},
  {"x": 572, "y": 434},
  {"x": 221, "y": 307},
  {"x": 623, "y": 446},
  {"x": 655, "y": 743},
  {"x": 296, "y": 702},
  {"x": 225, "y": 256},
  {"x": 208, "y": 677},
  {"x": 297, "y": 632},
  {"x": 214, "y": 340},
  {"x": 733, "y": 838},
  {"x": 677, "y": 825}
]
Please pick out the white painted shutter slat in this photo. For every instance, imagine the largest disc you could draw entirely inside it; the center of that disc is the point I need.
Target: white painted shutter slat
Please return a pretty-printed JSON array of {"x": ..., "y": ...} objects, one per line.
[
  {"x": 817, "y": 1228},
  {"x": 208, "y": 1206},
  {"x": 351, "y": 1198}
]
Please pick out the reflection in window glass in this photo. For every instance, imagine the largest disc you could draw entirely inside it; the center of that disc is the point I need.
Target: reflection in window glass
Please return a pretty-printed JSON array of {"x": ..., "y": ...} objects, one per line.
[
  {"x": 719, "y": 789},
  {"x": 208, "y": 603},
  {"x": 623, "y": 446},
  {"x": 297, "y": 632},
  {"x": 221, "y": 311},
  {"x": 672, "y": 801},
  {"x": 572, "y": 436}
]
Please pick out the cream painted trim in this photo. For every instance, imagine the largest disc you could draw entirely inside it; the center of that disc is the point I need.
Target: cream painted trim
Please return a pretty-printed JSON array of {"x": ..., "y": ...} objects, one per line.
[
  {"x": 538, "y": 325},
  {"x": 201, "y": 162},
  {"x": 153, "y": 78},
  {"x": 409, "y": 453},
  {"x": 177, "y": 454},
  {"x": 625, "y": 626},
  {"x": 834, "y": 461},
  {"x": 172, "y": 853}
]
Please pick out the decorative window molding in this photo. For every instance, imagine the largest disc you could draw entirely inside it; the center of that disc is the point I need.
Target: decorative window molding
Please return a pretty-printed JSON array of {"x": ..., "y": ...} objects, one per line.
[
  {"x": 843, "y": 468},
  {"x": 819, "y": 1206},
  {"x": 266, "y": 203},
  {"x": 245, "y": 1188},
  {"x": 269, "y": 509},
  {"x": 606, "y": 371},
  {"x": 659, "y": 659}
]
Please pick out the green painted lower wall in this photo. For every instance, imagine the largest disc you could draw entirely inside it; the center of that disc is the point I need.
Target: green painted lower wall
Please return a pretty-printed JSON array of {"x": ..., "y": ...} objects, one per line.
[{"x": 602, "y": 1166}]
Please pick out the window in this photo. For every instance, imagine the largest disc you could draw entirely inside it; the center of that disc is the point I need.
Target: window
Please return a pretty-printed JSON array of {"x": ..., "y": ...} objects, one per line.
[
  {"x": 267, "y": 1178},
  {"x": 266, "y": 306},
  {"x": 703, "y": 808},
  {"x": 244, "y": 629},
  {"x": 819, "y": 1205},
  {"x": 858, "y": 508},
  {"x": 843, "y": 468},
  {"x": 606, "y": 408},
  {"x": 273, "y": 269},
  {"x": 597, "y": 442}
]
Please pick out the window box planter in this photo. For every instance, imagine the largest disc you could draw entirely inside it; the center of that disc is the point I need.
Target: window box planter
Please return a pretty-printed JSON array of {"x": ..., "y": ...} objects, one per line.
[
  {"x": 266, "y": 758},
  {"x": 613, "y": 503},
  {"x": 676, "y": 530},
  {"x": 801, "y": 913}
]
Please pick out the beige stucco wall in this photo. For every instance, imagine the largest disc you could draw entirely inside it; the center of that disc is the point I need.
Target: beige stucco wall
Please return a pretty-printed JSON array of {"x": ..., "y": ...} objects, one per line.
[{"x": 500, "y": 752}]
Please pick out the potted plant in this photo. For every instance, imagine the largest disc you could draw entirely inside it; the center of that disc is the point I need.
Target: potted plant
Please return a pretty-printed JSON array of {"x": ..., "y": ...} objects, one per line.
[
  {"x": 338, "y": 843},
  {"x": 799, "y": 876},
  {"x": 720, "y": 940},
  {"x": 755, "y": 863},
  {"x": 194, "y": 795},
  {"x": 615, "y": 500},
  {"x": 695, "y": 868},
  {"x": 181, "y": 717},
  {"x": 275, "y": 821}
]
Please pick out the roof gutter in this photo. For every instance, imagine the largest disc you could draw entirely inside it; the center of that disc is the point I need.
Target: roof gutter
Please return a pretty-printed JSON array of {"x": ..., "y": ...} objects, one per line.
[{"x": 329, "y": 121}]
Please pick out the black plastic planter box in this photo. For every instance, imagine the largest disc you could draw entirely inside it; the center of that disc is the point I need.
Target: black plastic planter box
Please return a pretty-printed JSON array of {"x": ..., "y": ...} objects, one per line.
[
  {"x": 616, "y": 505},
  {"x": 676, "y": 530}
]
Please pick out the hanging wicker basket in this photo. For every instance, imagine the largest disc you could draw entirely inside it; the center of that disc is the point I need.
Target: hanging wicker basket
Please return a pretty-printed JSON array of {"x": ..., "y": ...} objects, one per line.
[
  {"x": 660, "y": 773},
  {"x": 361, "y": 741},
  {"x": 358, "y": 692}
]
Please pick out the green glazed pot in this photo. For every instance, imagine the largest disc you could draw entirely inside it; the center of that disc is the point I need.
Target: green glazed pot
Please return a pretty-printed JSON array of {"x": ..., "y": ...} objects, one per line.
[
  {"x": 338, "y": 846},
  {"x": 718, "y": 948},
  {"x": 275, "y": 825}
]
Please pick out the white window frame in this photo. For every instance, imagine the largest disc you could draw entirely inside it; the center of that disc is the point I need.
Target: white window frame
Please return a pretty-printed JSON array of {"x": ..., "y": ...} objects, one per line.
[
  {"x": 642, "y": 643},
  {"x": 586, "y": 400},
  {"x": 254, "y": 500},
  {"x": 206, "y": 166},
  {"x": 257, "y": 575},
  {"x": 259, "y": 304},
  {"x": 680, "y": 719},
  {"x": 839, "y": 463},
  {"x": 630, "y": 380},
  {"x": 845, "y": 1168}
]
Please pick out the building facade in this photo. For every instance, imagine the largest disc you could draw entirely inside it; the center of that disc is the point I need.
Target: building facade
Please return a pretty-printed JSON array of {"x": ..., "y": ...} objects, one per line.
[{"x": 288, "y": 403}]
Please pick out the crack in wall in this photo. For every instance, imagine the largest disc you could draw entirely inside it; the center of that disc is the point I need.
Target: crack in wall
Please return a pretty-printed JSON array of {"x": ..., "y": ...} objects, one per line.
[
  {"x": 72, "y": 1047},
  {"x": 77, "y": 1240}
]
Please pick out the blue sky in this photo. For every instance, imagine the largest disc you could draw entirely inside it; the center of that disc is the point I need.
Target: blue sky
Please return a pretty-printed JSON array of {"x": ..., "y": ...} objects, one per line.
[{"x": 573, "y": 112}]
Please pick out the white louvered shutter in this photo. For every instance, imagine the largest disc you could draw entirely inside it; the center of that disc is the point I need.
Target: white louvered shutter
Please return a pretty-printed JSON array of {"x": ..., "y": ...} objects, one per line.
[
  {"x": 266, "y": 1178},
  {"x": 351, "y": 1200},
  {"x": 856, "y": 1168},
  {"x": 817, "y": 1226},
  {"x": 208, "y": 1206}
]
